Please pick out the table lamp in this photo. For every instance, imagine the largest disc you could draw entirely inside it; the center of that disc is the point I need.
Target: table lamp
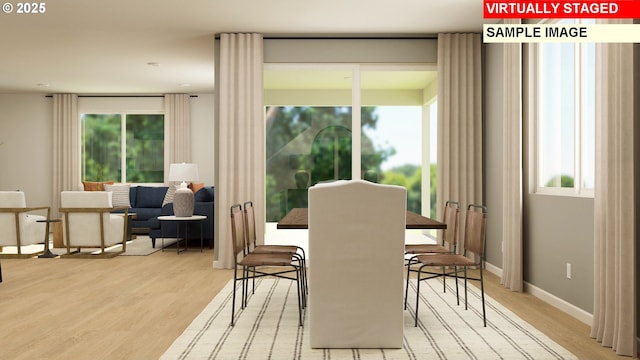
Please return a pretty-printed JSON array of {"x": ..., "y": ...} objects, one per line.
[{"x": 183, "y": 203}]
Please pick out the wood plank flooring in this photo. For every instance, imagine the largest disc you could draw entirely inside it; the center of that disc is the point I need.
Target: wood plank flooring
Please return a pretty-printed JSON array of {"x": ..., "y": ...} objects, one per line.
[{"x": 134, "y": 307}]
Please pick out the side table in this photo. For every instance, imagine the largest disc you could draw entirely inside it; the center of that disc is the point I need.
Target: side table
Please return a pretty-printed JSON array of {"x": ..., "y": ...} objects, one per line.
[
  {"x": 47, "y": 252},
  {"x": 182, "y": 220}
]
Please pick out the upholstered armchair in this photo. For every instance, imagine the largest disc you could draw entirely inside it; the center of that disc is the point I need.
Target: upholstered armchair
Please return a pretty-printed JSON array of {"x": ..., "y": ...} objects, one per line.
[
  {"x": 18, "y": 223},
  {"x": 356, "y": 247},
  {"x": 89, "y": 223}
]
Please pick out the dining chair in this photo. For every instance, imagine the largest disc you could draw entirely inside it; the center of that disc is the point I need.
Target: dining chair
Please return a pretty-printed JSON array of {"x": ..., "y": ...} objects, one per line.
[
  {"x": 449, "y": 235},
  {"x": 249, "y": 263},
  {"x": 451, "y": 218},
  {"x": 252, "y": 244},
  {"x": 356, "y": 241},
  {"x": 473, "y": 245}
]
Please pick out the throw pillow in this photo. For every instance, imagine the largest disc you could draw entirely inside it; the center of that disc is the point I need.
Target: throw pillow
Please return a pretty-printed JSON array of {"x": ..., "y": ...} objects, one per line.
[
  {"x": 196, "y": 186},
  {"x": 204, "y": 195},
  {"x": 168, "y": 197},
  {"x": 120, "y": 195},
  {"x": 150, "y": 196},
  {"x": 96, "y": 185}
]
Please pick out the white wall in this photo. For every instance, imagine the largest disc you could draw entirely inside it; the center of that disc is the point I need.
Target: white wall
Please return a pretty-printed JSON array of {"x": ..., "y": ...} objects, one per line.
[
  {"x": 26, "y": 133},
  {"x": 25, "y": 156}
]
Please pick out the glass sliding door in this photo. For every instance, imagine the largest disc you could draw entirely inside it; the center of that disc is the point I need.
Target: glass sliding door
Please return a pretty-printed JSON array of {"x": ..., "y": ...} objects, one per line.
[
  {"x": 313, "y": 133},
  {"x": 394, "y": 128},
  {"x": 308, "y": 134}
]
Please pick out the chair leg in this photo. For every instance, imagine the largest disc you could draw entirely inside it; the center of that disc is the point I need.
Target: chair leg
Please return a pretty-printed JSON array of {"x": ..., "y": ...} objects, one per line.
[
  {"x": 233, "y": 296},
  {"x": 406, "y": 289},
  {"x": 444, "y": 280},
  {"x": 304, "y": 273},
  {"x": 253, "y": 281},
  {"x": 303, "y": 279},
  {"x": 418, "y": 295},
  {"x": 455, "y": 274},
  {"x": 300, "y": 290},
  {"x": 465, "y": 288},
  {"x": 484, "y": 314}
]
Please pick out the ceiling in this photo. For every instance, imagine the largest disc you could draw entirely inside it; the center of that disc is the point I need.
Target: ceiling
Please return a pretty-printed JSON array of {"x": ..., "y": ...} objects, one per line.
[{"x": 151, "y": 46}]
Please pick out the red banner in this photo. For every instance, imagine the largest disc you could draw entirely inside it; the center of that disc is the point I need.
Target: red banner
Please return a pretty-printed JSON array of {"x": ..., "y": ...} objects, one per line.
[{"x": 528, "y": 9}]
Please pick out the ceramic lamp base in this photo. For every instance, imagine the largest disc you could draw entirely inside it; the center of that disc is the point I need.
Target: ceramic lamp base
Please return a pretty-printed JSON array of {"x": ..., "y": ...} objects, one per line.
[{"x": 183, "y": 202}]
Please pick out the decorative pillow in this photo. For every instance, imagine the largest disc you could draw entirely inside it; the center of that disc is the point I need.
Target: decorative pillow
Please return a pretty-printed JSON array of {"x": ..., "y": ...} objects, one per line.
[
  {"x": 96, "y": 185},
  {"x": 196, "y": 186},
  {"x": 204, "y": 195},
  {"x": 150, "y": 196},
  {"x": 120, "y": 195},
  {"x": 168, "y": 197}
]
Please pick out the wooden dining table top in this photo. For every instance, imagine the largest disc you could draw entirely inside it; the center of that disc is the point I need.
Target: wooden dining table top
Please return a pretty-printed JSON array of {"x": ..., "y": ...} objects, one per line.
[{"x": 298, "y": 218}]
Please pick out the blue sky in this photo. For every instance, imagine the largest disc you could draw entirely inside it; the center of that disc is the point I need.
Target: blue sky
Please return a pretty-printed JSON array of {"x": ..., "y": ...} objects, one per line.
[{"x": 401, "y": 128}]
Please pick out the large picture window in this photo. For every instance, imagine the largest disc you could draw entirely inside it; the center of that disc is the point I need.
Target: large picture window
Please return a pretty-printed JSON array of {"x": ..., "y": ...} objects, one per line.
[
  {"x": 122, "y": 147},
  {"x": 336, "y": 124},
  {"x": 564, "y": 95}
]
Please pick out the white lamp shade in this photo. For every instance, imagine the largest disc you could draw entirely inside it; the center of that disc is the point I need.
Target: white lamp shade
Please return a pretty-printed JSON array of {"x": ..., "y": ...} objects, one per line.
[{"x": 183, "y": 172}]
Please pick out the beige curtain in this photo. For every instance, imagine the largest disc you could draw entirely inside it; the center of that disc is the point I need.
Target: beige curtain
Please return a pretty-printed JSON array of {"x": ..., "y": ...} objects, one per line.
[
  {"x": 459, "y": 121},
  {"x": 241, "y": 136},
  {"x": 614, "y": 315},
  {"x": 66, "y": 147},
  {"x": 512, "y": 166},
  {"x": 177, "y": 129}
]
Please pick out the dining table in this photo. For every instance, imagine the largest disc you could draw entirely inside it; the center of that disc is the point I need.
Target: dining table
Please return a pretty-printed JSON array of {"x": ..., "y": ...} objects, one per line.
[{"x": 298, "y": 218}]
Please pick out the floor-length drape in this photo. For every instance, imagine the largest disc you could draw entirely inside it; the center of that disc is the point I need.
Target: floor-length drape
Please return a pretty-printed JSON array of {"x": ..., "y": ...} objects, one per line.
[
  {"x": 614, "y": 315},
  {"x": 241, "y": 136},
  {"x": 177, "y": 125},
  {"x": 512, "y": 166},
  {"x": 459, "y": 120},
  {"x": 66, "y": 147}
]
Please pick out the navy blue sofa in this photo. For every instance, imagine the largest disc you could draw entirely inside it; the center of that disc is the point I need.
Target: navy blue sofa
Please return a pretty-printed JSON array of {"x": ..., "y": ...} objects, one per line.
[{"x": 146, "y": 203}]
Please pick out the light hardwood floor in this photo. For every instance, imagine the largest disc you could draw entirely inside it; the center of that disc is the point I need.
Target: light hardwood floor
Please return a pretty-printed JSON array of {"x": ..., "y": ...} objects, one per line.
[{"x": 134, "y": 307}]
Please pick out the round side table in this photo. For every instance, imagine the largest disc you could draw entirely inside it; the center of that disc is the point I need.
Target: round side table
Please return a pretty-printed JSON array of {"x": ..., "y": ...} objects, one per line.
[{"x": 47, "y": 252}]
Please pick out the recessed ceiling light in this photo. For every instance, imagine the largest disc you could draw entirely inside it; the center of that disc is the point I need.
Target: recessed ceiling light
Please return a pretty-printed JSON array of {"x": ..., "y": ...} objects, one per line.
[
  {"x": 185, "y": 85},
  {"x": 42, "y": 84},
  {"x": 153, "y": 63}
]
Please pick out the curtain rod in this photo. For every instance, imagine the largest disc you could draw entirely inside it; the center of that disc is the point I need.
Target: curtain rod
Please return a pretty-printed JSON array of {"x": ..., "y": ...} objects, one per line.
[
  {"x": 408, "y": 37},
  {"x": 122, "y": 96}
]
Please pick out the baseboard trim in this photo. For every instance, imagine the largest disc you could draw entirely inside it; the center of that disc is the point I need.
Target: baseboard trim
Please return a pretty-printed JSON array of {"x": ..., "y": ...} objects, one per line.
[{"x": 549, "y": 298}]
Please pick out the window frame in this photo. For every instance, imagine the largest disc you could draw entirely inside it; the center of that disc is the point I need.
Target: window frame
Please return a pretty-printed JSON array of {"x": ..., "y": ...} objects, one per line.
[
  {"x": 534, "y": 71},
  {"x": 123, "y": 106},
  {"x": 356, "y": 70}
]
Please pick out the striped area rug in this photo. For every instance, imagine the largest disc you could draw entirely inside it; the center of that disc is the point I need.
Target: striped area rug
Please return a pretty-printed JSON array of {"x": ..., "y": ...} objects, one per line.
[{"x": 268, "y": 329}]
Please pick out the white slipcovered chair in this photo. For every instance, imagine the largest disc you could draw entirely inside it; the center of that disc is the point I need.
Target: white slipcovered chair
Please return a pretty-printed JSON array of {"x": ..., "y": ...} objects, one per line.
[
  {"x": 89, "y": 223},
  {"x": 356, "y": 247},
  {"x": 18, "y": 224}
]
